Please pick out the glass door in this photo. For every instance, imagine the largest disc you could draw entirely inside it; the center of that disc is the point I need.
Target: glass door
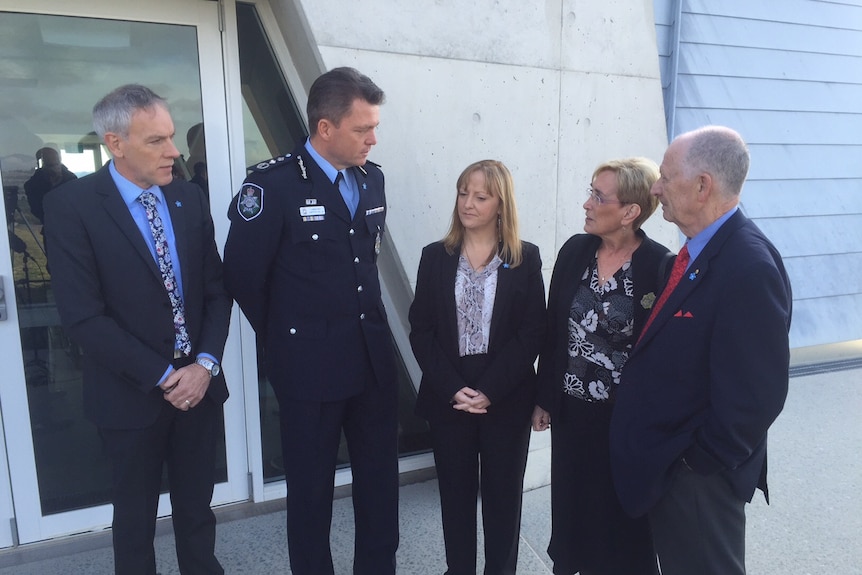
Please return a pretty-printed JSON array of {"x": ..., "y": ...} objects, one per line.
[{"x": 56, "y": 60}]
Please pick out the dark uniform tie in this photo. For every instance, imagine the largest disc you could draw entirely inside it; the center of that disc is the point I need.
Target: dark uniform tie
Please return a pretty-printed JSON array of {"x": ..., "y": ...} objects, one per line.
[{"x": 166, "y": 267}]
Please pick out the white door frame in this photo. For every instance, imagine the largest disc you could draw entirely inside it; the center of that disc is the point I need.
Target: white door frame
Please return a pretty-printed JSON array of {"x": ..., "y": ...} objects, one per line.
[{"x": 18, "y": 484}]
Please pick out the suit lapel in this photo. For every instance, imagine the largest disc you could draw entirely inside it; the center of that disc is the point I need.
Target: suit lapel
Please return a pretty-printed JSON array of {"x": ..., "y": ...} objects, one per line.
[
  {"x": 697, "y": 272},
  {"x": 179, "y": 222},
  {"x": 119, "y": 212},
  {"x": 505, "y": 285}
]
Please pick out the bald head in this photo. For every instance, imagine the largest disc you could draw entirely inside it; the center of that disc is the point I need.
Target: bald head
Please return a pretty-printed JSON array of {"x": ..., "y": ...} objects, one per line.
[{"x": 719, "y": 152}]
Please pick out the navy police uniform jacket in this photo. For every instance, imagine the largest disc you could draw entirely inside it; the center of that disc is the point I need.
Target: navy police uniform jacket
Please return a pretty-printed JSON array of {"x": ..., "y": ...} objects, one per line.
[{"x": 305, "y": 275}]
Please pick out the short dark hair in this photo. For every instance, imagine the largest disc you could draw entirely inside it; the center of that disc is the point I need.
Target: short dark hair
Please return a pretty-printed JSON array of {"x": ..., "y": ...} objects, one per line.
[
  {"x": 332, "y": 95},
  {"x": 114, "y": 112}
]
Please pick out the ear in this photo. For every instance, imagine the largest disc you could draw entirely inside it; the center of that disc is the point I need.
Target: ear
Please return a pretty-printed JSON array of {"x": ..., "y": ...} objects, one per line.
[
  {"x": 113, "y": 143},
  {"x": 324, "y": 129},
  {"x": 705, "y": 187},
  {"x": 633, "y": 211}
]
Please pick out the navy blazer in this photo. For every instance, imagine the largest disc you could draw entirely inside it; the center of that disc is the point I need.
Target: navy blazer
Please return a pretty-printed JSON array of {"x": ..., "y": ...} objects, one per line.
[
  {"x": 305, "y": 275},
  {"x": 517, "y": 330},
  {"x": 710, "y": 374},
  {"x": 112, "y": 299},
  {"x": 650, "y": 265}
]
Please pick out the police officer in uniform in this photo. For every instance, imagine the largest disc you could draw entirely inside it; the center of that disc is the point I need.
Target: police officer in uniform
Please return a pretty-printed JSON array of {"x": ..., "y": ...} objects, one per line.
[{"x": 301, "y": 261}]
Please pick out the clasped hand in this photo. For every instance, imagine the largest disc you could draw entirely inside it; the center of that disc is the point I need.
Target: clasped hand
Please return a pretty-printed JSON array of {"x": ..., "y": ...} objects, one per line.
[
  {"x": 470, "y": 400},
  {"x": 185, "y": 387}
]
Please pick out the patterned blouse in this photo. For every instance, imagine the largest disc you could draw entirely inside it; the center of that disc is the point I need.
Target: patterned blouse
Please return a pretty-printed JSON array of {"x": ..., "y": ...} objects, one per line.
[
  {"x": 601, "y": 323},
  {"x": 474, "y": 304}
]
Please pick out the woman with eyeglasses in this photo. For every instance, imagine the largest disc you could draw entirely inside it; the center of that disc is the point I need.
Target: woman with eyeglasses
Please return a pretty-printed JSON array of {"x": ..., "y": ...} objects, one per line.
[
  {"x": 602, "y": 291},
  {"x": 477, "y": 323}
]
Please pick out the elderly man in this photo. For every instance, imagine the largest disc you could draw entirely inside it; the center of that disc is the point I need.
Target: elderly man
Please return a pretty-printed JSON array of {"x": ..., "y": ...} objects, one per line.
[{"x": 709, "y": 373}]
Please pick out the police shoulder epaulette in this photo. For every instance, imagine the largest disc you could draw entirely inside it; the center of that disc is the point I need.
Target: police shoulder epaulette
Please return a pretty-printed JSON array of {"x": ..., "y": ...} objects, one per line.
[{"x": 269, "y": 164}]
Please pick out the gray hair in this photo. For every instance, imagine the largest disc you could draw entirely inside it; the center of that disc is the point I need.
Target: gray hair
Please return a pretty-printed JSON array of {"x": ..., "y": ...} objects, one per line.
[
  {"x": 114, "y": 112},
  {"x": 722, "y": 153}
]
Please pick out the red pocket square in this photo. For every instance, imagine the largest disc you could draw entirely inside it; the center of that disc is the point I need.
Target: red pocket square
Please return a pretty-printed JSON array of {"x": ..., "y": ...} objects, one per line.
[{"x": 681, "y": 313}]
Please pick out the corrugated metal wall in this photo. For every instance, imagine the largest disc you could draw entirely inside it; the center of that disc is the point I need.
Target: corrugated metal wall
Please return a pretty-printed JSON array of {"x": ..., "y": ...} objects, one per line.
[{"x": 788, "y": 76}]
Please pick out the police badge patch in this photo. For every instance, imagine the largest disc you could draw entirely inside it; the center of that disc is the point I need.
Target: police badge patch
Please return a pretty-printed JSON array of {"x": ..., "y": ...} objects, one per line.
[{"x": 249, "y": 203}]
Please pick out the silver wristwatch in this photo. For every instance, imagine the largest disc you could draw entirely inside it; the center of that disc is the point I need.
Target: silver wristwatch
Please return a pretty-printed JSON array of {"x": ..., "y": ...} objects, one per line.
[{"x": 209, "y": 365}]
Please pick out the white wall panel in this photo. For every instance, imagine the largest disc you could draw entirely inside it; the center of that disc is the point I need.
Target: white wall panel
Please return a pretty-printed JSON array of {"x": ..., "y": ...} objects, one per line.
[
  {"x": 781, "y": 198},
  {"x": 773, "y": 35},
  {"x": 732, "y": 61},
  {"x": 706, "y": 91},
  {"x": 813, "y": 12}
]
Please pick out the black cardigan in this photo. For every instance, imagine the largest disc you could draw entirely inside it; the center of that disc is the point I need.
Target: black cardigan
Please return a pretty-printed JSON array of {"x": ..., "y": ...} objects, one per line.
[{"x": 651, "y": 263}]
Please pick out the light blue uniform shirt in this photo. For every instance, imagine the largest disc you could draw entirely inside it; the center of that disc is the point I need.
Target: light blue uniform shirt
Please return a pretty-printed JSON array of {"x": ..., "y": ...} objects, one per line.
[{"x": 348, "y": 187}]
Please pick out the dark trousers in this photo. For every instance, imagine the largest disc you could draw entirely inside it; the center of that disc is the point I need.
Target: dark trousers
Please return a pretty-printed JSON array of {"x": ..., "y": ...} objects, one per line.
[
  {"x": 699, "y": 526},
  {"x": 185, "y": 441},
  {"x": 474, "y": 452},
  {"x": 310, "y": 438}
]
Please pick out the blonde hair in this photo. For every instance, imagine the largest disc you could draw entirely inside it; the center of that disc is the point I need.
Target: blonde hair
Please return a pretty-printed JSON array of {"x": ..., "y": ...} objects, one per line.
[
  {"x": 498, "y": 183},
  {"x": 635, "y": 177}
]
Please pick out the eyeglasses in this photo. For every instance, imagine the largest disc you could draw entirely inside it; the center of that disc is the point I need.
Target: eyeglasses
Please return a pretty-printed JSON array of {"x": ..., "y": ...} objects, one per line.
[{"x": 592, "y": 194}]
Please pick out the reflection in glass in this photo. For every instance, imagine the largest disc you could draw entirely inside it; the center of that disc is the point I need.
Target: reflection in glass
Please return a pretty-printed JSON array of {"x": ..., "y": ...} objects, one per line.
[
  {"x": 53, "y": 70},
  {"x": 273, "y": 125}
]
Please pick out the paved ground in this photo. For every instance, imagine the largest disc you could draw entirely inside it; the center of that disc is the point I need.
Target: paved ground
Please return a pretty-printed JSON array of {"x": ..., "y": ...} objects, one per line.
[{"x": 814, "y": 525}]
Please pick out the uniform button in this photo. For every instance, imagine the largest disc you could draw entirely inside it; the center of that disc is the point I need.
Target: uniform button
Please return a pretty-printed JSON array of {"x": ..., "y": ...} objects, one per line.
[
  {"x": 356, "y": 260},
  {"x": 352, "y": 231},
  {"x": 359, "y": 288},
  {"x": 315, "y": 237},
  {"x": 362, "y": 316},
  {"x": 293, "y": 331}
]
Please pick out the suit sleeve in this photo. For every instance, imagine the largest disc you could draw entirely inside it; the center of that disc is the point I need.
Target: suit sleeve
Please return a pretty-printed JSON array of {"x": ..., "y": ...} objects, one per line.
[
  {"x": 438, "y": 373},
  {"x": 748, "y": 368},
  {"x": 250, "y": 253},
  {"x": 516, "y": 357},
  {"x": 75, "y": 278}
]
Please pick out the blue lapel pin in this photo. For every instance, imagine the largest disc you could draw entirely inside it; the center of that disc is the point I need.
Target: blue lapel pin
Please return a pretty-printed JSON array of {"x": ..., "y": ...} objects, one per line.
[
  {"x": 178, "y": 203},
  {"x": 693, "y": 275}
]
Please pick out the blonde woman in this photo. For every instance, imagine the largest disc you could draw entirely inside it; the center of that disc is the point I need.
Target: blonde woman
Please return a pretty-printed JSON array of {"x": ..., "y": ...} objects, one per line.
[
  {"x": 477, "y": 324},
  {"x": 602, "y": 291}
]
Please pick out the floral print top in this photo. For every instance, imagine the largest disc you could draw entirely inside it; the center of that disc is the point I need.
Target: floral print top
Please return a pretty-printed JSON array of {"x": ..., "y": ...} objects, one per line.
[
  {"x": 474, "y": 304},
  {"x": 601, "y": 325}
]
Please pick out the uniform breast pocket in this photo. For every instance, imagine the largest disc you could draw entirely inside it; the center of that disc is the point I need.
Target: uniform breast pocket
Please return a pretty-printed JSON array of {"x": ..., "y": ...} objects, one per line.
[
  {"x": 375, "y": 230},
  {"x": 310, "y": 244}
]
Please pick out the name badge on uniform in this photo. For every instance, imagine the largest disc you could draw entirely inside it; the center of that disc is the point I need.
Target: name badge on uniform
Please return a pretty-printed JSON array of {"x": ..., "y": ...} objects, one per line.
[
  {"x": 376, "y": 210},
  {"x": 312, "y": 213}
]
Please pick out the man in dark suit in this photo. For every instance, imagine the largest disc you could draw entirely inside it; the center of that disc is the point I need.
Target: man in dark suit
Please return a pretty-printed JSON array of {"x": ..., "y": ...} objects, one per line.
[
  {"x": 301, "y": 261},
  {"x": 137, "y": 279},
  {"x": 709, "y": 374}
]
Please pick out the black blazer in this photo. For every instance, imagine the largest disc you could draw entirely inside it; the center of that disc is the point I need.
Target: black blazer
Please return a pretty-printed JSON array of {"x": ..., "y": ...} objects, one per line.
[
  {"x": 710, "y": 374},
  {"x": 305, "y": 275},
  {"x": 517, "y": 330},
  {"x": 113, "y": 303},
  {"x": 651, "y": 263}
]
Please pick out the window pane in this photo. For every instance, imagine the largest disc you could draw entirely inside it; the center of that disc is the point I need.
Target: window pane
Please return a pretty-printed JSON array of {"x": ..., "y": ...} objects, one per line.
[{"x": 53, "y": 69}]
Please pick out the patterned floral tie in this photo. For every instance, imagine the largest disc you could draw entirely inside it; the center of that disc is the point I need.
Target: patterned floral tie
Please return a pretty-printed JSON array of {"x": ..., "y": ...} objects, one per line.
[
  {"x": 166, "y": 267},
  {"x": 676, "y": 273}
]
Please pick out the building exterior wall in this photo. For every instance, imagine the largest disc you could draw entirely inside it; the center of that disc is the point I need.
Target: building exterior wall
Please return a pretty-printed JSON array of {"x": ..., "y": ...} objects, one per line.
[{"x": 787, "y": 76}]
